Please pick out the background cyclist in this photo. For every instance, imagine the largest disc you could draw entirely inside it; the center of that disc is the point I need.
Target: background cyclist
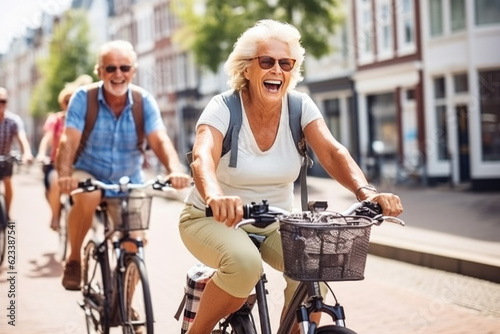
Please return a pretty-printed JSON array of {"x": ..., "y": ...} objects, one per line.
[
  {"x": 264, "y": 65},
  {"x": 111, "y": 150},
  {"x": 11, "y": 130},
  {"x": 47, "y": 148}
]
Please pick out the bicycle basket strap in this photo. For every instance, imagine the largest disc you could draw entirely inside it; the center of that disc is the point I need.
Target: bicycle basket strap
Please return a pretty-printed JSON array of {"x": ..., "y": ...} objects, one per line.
[{"x": 196, "y": 279}]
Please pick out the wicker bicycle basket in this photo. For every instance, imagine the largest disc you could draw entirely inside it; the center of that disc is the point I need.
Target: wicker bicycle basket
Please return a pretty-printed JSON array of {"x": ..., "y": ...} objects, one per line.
[
  {"x": 325, "y": 246},
  {"x": 129, "y": 213}
]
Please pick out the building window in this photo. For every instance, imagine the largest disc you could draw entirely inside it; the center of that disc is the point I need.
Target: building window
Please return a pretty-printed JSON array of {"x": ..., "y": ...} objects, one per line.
[
  {"x": 440, "y": 110},
  {"x": 489, "y": 91},
  {"x": 332, "y": 116},
  {"x": 461, "y": 83},
  {"x": 457, "y": 15},
  {"x": 487, "y": 12},
  {"x": 384, "y": 28},
  {"x": 408, "y": 23},
  {"x": 436, "y": 17},
  {"x": 365, "y": 37}
]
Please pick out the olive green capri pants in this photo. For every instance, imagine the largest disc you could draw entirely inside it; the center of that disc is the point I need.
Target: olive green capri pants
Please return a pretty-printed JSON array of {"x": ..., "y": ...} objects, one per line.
[{"x": 232, "y": 252}]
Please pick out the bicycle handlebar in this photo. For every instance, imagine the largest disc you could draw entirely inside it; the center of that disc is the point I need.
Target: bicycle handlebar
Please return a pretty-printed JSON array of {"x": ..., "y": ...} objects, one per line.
[
  {"x": 261, "y": 214},
  {"x": 123, "y": 185}
]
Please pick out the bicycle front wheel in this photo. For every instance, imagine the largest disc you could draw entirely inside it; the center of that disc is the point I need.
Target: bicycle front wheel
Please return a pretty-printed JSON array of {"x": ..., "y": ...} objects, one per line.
[
  {"x": 3, "y": 228},
  {"x": 95, "y": 305},
  {"x": 331, "y": 329},
  {"x": 63, "y": 233},
  {"x": 138, "y": 309}
]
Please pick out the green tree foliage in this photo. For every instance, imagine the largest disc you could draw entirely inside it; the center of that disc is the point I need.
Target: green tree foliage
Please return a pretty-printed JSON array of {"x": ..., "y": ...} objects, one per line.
[
  {"x": 211, "y": 27},
  {"x": 67, "y": 59}
]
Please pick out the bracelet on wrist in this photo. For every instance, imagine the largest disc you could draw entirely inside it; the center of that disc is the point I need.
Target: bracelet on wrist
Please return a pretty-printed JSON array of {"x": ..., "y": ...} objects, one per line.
[{"x": 366, "y": 187}]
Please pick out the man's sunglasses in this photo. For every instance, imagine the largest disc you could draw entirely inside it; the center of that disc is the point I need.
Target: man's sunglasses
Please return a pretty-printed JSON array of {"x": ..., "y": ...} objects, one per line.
[
  {"x": 266, "y": 62},
  {"x": 113, "y": 68},
  {"x": 3, "y": 101}
]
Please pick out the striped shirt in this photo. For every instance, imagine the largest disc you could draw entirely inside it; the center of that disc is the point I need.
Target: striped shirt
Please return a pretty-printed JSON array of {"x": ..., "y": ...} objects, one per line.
[{"x": 111, "y": 150}]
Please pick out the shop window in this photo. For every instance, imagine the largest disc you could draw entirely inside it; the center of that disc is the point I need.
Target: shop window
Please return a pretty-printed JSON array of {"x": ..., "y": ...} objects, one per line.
[
  {"x": 489, "y": 90},
  {"x": 461, "y": 83},
  {"x": 441, "y": 135}
]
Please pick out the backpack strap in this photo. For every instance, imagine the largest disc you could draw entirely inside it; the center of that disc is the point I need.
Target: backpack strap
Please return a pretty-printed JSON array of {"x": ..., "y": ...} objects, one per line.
[
  {"x": 93, "y": 109},
  {"x": 138, "y": 116},
  {"x": 230, "y": 142},
  {"x": 295, "y": 117},
  {"x": 90, "y": 117}
]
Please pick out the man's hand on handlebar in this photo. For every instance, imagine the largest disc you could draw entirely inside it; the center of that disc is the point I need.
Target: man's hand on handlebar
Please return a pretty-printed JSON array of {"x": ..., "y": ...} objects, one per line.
[
  {"x": 67, "y": 184},
  {"x": 391, "y": 204},
  {"x": 179, "y": 180},
  {"x": 226, "y": 209}
]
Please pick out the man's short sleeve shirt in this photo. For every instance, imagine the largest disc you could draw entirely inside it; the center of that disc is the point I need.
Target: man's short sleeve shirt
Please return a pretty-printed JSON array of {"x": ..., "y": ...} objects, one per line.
[{"x": 9, "y": 128}]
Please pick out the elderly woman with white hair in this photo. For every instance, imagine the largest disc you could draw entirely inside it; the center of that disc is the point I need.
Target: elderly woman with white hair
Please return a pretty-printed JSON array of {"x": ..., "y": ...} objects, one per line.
[{"x": 264, "y": 67}]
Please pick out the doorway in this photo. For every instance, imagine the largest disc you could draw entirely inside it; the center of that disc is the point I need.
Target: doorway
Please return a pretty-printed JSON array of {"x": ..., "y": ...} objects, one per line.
[{"x": 463, "y": 143}]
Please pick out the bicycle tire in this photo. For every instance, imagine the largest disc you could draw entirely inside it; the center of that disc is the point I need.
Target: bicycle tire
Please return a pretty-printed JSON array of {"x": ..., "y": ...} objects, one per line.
[
  {"x": 137, "y": 306},
  {"x": 332, "y": 329},
  {"x": 97, "y": 312},
  {"x": 237, "y": 324},
  {"x": 63, "y": 232},
  {"x": 3, "y": 228}
]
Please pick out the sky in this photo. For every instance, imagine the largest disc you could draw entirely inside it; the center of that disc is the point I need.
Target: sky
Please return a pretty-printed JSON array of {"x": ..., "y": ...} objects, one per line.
[{"x": 16, "y": 15}]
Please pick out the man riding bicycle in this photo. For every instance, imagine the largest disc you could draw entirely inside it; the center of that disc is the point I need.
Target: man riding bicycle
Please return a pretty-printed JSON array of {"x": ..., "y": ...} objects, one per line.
[
  {"x": 111, "y": 150},
  {"x": 11, "y": 128}
]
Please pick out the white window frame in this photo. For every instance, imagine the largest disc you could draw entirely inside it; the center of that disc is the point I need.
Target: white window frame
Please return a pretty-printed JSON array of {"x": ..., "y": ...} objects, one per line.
[
  {"x": 365, "y": 31},
  {"x": 384, "y": 24}
]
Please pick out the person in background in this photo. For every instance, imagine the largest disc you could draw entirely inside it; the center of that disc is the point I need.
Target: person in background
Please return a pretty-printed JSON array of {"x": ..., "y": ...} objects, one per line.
[
  {"x": 53, "y": 129},
  {"x": 264, "y": 66},
  {"x": 11, "y": 131},
  {"x": 111, "y": 150}
]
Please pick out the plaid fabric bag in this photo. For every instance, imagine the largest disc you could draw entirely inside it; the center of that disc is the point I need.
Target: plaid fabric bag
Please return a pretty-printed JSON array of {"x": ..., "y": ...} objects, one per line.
[{"x": 196, "y": 280}]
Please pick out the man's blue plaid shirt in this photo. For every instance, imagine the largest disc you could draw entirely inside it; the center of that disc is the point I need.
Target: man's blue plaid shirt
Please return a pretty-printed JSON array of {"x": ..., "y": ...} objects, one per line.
[{"x": 111, "y": 150}]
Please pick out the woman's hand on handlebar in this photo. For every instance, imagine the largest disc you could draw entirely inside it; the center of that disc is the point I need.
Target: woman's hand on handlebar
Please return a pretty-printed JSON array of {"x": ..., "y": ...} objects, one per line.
[
  {"x": 226, "y": 209},
  {"x": 391, "y": 204}
]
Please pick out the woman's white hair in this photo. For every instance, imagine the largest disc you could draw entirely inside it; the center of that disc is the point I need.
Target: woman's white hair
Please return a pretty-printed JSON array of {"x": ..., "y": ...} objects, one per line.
[{"x": 245, "y": 48}]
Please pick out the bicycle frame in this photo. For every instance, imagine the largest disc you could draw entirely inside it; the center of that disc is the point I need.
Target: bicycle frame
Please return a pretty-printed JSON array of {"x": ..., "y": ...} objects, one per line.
[{"x": 114, "y": 270}]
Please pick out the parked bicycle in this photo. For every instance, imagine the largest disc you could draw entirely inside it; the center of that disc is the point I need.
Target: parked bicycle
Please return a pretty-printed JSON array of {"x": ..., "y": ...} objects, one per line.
[
  {"x": 318, "y": 246},
  {"x": 115, "y": 282},
  {"x": 5, "y": 161}
]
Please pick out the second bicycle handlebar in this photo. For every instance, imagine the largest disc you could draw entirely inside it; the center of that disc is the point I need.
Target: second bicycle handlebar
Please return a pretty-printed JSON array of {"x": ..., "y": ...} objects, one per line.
[{"x": 123, "y": 186}]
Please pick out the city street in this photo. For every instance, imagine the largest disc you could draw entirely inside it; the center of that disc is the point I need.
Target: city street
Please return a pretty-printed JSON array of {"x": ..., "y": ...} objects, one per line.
[{"x": 394, "y": 298}]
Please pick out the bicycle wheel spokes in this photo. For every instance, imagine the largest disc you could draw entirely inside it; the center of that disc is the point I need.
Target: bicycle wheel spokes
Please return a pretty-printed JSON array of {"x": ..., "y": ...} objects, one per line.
[
  {"x": 137, "y": 306},
  {"x": 94, "y": 299}
]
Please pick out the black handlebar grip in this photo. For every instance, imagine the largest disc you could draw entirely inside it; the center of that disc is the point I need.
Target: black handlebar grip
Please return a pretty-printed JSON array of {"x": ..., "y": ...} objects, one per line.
[
  {"x": 208, "y": 211},
  {"x": 247, "y": 211}
]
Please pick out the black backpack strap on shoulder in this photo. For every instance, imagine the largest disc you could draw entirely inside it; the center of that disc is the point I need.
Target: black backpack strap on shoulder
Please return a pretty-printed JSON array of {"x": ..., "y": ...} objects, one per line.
[
  {"x": 295, "y": 117},
  {"x": 90, "y": 117},
  {"x": 233, "y": 102},
  {"x": 138, "y": 116}
]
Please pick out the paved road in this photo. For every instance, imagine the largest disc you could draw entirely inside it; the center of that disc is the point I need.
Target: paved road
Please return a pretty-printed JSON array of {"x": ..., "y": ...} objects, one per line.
[{"x": 395, "y": 297}]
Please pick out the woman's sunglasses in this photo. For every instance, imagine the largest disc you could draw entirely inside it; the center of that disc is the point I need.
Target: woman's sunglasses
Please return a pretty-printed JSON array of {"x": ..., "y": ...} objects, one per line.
[
  {"x": 266, "y": 62},
  {"x": 113, "y": 68}
]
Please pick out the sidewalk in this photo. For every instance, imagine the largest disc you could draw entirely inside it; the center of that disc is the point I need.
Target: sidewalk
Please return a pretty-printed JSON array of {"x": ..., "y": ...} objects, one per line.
[{"x": 454, "y": 230}]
